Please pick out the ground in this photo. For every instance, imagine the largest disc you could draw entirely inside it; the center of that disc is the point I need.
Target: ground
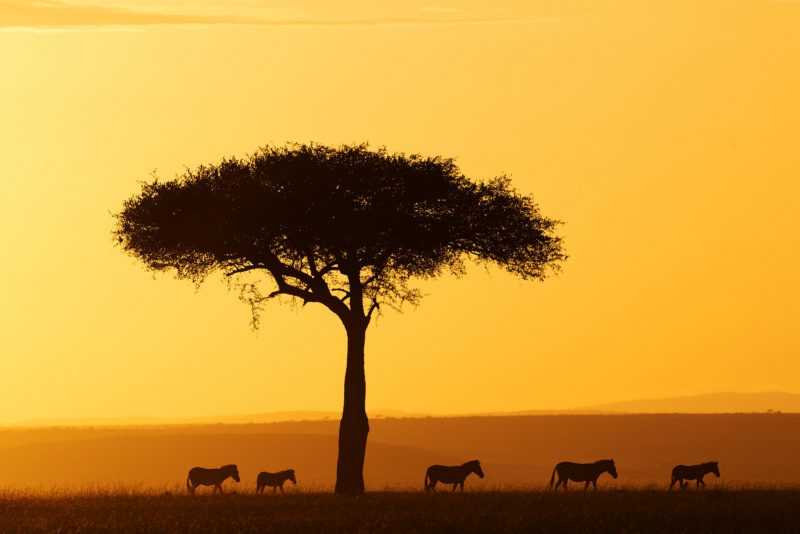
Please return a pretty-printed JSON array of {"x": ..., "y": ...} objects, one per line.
[{"x": 726, "y": 510}]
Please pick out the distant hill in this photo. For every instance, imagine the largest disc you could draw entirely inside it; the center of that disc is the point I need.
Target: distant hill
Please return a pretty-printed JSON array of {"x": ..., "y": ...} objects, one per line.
[
  {"x": 727, "y": 402},
  {"x": 265, "y": 417}
]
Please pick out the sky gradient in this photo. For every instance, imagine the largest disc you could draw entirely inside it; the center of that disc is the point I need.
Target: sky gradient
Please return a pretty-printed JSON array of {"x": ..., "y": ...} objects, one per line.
[{"x": 664, "y": 135}]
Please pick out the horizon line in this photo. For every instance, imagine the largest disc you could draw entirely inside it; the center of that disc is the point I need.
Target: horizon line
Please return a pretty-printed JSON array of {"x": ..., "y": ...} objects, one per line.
[{"x": 300, "y": 415}]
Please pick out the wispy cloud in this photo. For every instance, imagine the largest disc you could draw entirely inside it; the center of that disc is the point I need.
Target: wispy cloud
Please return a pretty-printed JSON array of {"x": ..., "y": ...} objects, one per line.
[
  {"x": 51, "y": 14},
  {"x": 59, "y": 15},
  {"x": 441, "y": 9}
]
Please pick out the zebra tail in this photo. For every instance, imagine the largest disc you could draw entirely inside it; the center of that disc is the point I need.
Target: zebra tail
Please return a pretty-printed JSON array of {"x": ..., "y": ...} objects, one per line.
[
  {"x": 426, "y": 481},
  {"x": 188, "y": 485},
  {"x": 552, "y": 478}
]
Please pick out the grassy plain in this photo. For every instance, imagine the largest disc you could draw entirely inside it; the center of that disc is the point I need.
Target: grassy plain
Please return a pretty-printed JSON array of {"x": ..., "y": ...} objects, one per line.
[
  {"x": 135, "y": 476},
  {"x": 621, "y": 510}
]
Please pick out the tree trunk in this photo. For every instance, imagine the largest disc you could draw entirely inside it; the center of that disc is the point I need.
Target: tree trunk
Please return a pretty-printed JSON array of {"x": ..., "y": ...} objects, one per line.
[{"x": 354, "y": 427}]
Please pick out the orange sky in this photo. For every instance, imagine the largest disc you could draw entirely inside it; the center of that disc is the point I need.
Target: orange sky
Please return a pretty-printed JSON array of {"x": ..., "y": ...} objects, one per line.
[{"x": 664, "y": 134}]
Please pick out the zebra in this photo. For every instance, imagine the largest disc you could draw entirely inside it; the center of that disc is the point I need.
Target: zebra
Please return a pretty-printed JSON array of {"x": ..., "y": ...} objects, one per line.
[
  {"x": 274, "y": 480},
  {"x": 200, "y": 476},
  {"x": 454, "y": 475},
  {"x": 581, "y": 473},
  {"x": 693, "y": 472}
]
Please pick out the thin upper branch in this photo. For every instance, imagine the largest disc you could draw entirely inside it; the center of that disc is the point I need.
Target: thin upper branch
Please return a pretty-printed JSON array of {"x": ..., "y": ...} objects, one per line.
[
  {"x": 284, "y": 288},
  {"x": 315, "y": 290},
  {"x": 374, "y": 306},
  {"x": 245, "y": 269}
]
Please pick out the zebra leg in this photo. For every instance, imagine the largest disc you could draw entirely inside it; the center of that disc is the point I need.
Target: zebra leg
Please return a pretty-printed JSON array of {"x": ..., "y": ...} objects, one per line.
[
  {"x": 281, "y": 487},
  {"x": 594, "y": 484},
  {"x": 586, "y": 486},
  {"x": 700, "y": 482},
  {"x": 462, "y": 486},
  {"x": 455, "y": 485},
  {"x": 433, "y": 484}
]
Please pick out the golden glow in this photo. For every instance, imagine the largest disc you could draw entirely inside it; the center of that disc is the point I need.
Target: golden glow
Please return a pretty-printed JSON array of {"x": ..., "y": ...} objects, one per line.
[{"x": 664, "y": 134}]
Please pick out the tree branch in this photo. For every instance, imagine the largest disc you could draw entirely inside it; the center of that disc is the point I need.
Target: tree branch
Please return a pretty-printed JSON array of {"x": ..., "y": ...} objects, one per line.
[
  {"x": 245, "y": 269},
  {"x": 312, "y": 264},
  {"x": 374, "y": 306},
  {"x": 316, "y": 290},
  {"x": 328, "y": 268},
  {"x": 371, "y": 279},
  {"x": 284, "y": 288}
]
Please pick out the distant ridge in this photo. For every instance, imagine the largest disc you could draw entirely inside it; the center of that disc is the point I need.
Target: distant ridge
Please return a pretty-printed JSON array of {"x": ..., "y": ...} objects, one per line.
[
  {"x": 144, "y": 420},
  {"x": 725, "y": 402}
]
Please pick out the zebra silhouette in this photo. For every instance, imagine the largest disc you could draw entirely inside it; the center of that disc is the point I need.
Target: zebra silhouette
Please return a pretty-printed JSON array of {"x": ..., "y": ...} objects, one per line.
[
  {"x": 200, "y": 476},
  {"x": 274, "y": 480},
  {"x": 693, "y": 472},
  {"x": 581, "y": 473},
  {"x": 455, "y": 474}
]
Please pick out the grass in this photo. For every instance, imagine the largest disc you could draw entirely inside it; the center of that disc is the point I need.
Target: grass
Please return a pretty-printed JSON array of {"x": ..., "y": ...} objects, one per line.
[{"x": 727, "y": 510}]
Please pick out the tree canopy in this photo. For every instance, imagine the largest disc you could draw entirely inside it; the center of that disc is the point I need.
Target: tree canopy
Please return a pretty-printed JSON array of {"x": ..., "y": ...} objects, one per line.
[{"x": 347, "y": 226}]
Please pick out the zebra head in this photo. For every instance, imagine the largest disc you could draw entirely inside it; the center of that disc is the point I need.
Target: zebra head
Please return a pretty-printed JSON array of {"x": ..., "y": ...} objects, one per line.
[
  {"x": 475, "y": 465},
  {"x": 612, "y": 468},
  {"x": 232, "y": 471},
  {"x": 715, "y": 468},
  {"x": 291, "y": 477}
]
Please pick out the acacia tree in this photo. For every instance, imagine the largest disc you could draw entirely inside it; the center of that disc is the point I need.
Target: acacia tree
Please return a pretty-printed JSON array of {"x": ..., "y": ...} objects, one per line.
[{"x": 347, "y": 227}]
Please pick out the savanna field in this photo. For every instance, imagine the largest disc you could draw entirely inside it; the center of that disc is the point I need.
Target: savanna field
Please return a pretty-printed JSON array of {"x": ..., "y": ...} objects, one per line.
[
  {"x": 132, "y": 479},
  {"x": 640, "y": 510}
]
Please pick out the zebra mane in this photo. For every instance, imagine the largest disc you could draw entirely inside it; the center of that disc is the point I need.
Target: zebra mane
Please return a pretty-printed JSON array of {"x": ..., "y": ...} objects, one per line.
[{"x": 472, "y": 462}]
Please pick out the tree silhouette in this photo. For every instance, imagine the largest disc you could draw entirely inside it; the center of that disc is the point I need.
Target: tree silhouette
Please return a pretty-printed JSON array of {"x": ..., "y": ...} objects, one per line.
[{"x": 347, "y": 227}]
